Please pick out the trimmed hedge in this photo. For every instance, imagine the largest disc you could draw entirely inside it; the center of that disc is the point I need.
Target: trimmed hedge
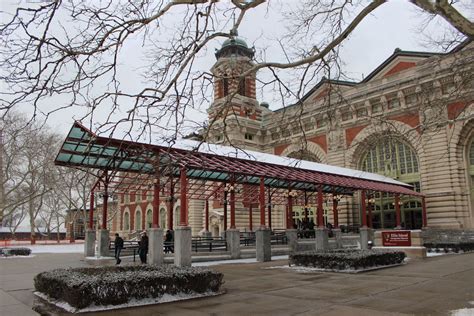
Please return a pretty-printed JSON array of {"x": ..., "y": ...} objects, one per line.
[
  {"x": 82, "y": 287},
  {"x": 15, "y": 251},
  {"x": 347, "y": 259},
  {"x": 450, "y": 246}
]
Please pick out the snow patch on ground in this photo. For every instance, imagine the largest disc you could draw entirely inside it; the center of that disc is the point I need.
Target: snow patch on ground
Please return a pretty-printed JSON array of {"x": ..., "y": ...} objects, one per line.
[
  {"x": 302, "y": 269},
  {"x": 463, "y": 312},
  {"x": 219, "y": 262},
  {"x": 70, "y": 248},
  {"x": 132, "y": 303}
]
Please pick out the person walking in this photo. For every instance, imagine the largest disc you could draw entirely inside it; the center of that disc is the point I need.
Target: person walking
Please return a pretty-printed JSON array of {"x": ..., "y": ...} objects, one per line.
[
  {"x": 143, "y": 247},
  {"x": 118, "y": 243},
  {"x": 168, "y": 242}
]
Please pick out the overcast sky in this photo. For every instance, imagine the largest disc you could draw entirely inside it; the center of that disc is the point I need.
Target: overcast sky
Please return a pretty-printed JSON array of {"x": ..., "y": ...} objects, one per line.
[{"x": 396, "y": 24}]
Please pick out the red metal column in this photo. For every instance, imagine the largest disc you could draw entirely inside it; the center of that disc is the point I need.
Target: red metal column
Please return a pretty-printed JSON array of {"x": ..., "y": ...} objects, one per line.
[
  {"x": 398, "y": 214},
  {"x": 225, "y": 210},
  {"x": 320, "y": 218},
  {"x": 364, "y": 209},
  {"x": 232, "y": 206},
  {"x": 207, "y": 216},
  {"x": 183, "y": 218},
  {"x": 171, "y": 205},
  {"x": 423, "y": 213},
  {"x": 306, "y": 207},
  {"x": 91, "y": 211},
  {"x": 262, "y": 202},
  {"x": 104, "y": 205},
  {"x": 269, "y": 208},
  {"x": 335, "y": 212},
  {"x": 156, "y": 202},
  {"x": 371, "y": 205},
  {"x": 250, "y": 217},
  {"x": 289, "y": 218}
]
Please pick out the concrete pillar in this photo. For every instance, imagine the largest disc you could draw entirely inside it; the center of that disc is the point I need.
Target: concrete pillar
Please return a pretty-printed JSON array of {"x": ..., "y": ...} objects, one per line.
[
  {"x": 155, "y": 246},
  {"x": 182, "y": 246},
  {"x": 292, "y": 237},
  {"x": 366, "y": 234},
  {"x": 322, "y": 239},
  {"x": 103, "y": 243},
  {"x": 89, "y": 243},
  {"x": 263, "y": 244},
  {"x": 338, "y": 237},
  {"x": 233, "y": 243}
]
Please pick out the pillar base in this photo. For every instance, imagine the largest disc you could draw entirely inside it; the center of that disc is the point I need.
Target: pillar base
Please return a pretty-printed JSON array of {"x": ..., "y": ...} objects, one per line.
[
  {"x": 182, "y": 246},
  {"x": 233, "y": 243},
  {"x": 366, "y": 235},
  {"x": 155, "y": 246},
  {"x": 263, "y": 245},
  {"x": 322, "y": 242},
  {"x": 292, "y": 237},
  {"x": 103, "y": 243},
  {"x": 89, "y": 243},
  {"x": 338, "y": 237}
]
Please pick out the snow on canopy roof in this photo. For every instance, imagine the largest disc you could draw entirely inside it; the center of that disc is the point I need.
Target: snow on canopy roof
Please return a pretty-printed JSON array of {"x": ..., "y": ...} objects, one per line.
[
  {"x": 211, "y": 162},
  {"x": 233, "y": 152}
]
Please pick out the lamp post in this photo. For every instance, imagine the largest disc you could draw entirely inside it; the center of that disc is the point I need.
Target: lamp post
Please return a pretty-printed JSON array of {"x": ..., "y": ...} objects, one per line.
[
  {"x": 370, "y": 205},
  {"x": 230, "y": 188},
  {"x": 289, "y": 216}
]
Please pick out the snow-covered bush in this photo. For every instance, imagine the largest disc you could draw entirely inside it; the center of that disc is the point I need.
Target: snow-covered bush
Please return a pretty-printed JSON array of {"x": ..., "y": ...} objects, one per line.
[
  {"x": 450, "y": 246},
  {"x": 15, "y": 251},
  {"x": 82, "y": 287},
  {"x": 346, "y": 259}
]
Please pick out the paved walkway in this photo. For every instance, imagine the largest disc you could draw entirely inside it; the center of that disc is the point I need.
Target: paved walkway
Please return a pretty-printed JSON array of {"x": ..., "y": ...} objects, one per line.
[{"x": 434, "y": 286}]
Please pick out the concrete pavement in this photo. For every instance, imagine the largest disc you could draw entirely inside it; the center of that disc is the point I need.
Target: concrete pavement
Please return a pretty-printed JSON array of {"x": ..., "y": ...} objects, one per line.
[{"x": 434, "y": 286}]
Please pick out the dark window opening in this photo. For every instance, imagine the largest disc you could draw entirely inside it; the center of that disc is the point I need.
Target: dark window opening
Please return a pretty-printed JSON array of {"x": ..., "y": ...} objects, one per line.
[{"x": 242, "y": 87}]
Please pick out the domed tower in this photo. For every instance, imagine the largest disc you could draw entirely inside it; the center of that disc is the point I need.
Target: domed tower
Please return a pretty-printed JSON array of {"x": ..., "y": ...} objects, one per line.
[{"x": 235, "y": 114}]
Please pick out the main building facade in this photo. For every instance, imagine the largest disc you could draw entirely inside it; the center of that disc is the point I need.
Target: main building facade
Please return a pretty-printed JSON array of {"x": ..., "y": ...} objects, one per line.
[{"x": 411, "y": 119}]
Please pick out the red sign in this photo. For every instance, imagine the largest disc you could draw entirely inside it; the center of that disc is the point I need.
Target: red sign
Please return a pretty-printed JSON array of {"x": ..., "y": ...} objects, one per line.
[{"x": 396, "y": 238}]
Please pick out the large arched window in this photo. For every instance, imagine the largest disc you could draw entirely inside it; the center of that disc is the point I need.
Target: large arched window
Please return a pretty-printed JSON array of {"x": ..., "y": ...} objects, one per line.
[
  {"x": 126, "y": 221},
  {"x": 138, "y": 219},
  {"x": 149, "y": 218},
  {"x": 394, "y": 158},
  {"x": 162, "y": 218},
  {"x": 176, "y": 216},
  {"x": 304, "y": 154}
]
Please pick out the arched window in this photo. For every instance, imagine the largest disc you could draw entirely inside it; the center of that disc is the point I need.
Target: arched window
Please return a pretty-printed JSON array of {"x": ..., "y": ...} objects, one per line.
[
  {"x": 162, "y": 218},
  {"x": 304, "y": 154},
  {"x": 138, "y": 219},
  {"x": 470, "y": 168},
  {"x": 149, "y": 218},
  {"x": 126, "y": 221},
  {"x": 176, "y": 216},
  {"x": 394, "y": 158}
]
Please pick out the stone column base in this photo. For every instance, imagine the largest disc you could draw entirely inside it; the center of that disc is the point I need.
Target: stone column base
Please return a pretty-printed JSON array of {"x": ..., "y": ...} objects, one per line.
[
  {"x": 263, "y": 244},
  {"x": 292, "y": 238},
  {"x": 338, "y": 237},
  {"x": 155, "y": 246},
  {"x": 322, "y": 242},
  {"x": 103, "y": 243},
  {"x": 233, "y": 243},
  {"x": 182, "y": 246},
  {"x": 366, "y": 235},
  {"x": 89, "y": 243}
]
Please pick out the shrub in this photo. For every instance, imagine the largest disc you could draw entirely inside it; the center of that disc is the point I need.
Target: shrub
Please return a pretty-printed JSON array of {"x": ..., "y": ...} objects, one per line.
[
  {"x": 15, "y": 251},
  {"x": 81, "y": 287},
  {"x": 347, "y": 259},
  {"x": 450, "y": 246}
]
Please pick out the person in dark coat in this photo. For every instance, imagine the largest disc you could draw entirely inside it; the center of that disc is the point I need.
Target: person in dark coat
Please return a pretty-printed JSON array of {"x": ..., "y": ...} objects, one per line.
[
  {"x": 118, "y": 248},
  {"x": 169, "y": 242},
  {"x": 143, "y": 247}
]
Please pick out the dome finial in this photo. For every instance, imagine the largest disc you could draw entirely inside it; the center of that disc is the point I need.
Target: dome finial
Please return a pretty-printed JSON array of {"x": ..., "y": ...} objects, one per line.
[{"x": 233, "y": 33}]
